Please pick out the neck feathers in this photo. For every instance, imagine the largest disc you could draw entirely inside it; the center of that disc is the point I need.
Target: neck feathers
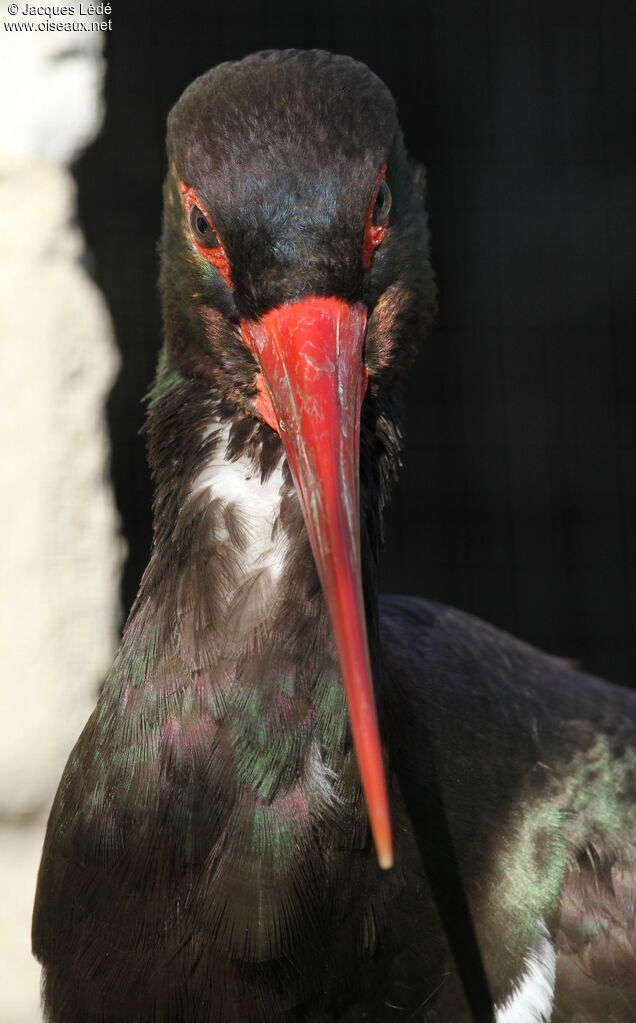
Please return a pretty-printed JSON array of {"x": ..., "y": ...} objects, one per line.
[{"x": 228, "y": 676}]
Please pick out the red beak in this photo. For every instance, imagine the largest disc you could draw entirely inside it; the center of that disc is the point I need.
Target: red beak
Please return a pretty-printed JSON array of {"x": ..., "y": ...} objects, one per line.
[{"x": 311, "y": 390}]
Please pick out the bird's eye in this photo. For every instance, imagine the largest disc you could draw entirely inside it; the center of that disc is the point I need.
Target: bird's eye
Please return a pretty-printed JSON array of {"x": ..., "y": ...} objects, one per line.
[
  {"x": 382, "y": 204},
  {"x": 202, "y": 230},
  {"x": 376, "y": 219}
]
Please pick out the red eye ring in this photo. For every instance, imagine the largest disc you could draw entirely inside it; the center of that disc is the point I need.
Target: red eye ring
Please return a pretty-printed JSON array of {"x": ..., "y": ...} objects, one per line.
[
  {"x": 206, "y": 240},
  {"x": 374, "y": 233}
]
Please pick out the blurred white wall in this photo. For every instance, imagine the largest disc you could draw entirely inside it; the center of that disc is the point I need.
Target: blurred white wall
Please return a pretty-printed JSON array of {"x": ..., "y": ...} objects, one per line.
[{"x": 60, "y": 552}]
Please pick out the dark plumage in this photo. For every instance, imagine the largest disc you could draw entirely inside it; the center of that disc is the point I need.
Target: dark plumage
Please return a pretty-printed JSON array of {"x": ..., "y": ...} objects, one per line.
[{"x": 208, "y": 856}]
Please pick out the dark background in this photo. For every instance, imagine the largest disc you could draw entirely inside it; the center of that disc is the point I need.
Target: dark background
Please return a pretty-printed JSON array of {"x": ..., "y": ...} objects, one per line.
[{"x": 518, "y": 497}]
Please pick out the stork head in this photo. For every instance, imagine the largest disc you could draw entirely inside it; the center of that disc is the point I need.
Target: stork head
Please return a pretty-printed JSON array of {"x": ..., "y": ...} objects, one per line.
[{"x": 296, "y": 280}]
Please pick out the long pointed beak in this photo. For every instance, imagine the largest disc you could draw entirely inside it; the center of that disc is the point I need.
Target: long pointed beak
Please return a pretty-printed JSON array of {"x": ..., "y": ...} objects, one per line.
[{"x": 311, "y": 389}]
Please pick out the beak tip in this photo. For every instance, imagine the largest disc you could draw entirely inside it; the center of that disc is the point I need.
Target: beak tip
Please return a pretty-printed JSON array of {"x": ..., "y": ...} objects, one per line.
[
  {"x": 383, "y": 842},
  {"x": 385, "y": 860}
]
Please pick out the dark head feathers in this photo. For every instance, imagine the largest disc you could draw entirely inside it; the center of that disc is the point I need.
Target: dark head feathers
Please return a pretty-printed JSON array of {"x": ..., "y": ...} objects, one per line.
[
  {"x": 284, "y": 148},
  {"x": 298, "y": 109}
]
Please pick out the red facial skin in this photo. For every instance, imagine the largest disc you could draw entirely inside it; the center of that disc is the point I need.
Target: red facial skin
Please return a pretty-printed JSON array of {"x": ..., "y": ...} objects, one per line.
[
  {"x": 311, "y": 385},
  {"x": 217, "y": 255}
]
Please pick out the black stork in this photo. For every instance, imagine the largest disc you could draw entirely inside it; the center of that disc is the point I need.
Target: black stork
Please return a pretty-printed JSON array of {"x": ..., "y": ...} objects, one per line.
[{"x": 215, "y": 850}]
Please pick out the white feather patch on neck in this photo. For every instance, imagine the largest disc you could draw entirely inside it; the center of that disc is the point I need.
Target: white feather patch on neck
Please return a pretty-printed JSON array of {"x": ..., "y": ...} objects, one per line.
[
  {"x": 257, "y": 503},
  {"x": 531, "y": 1001}
]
